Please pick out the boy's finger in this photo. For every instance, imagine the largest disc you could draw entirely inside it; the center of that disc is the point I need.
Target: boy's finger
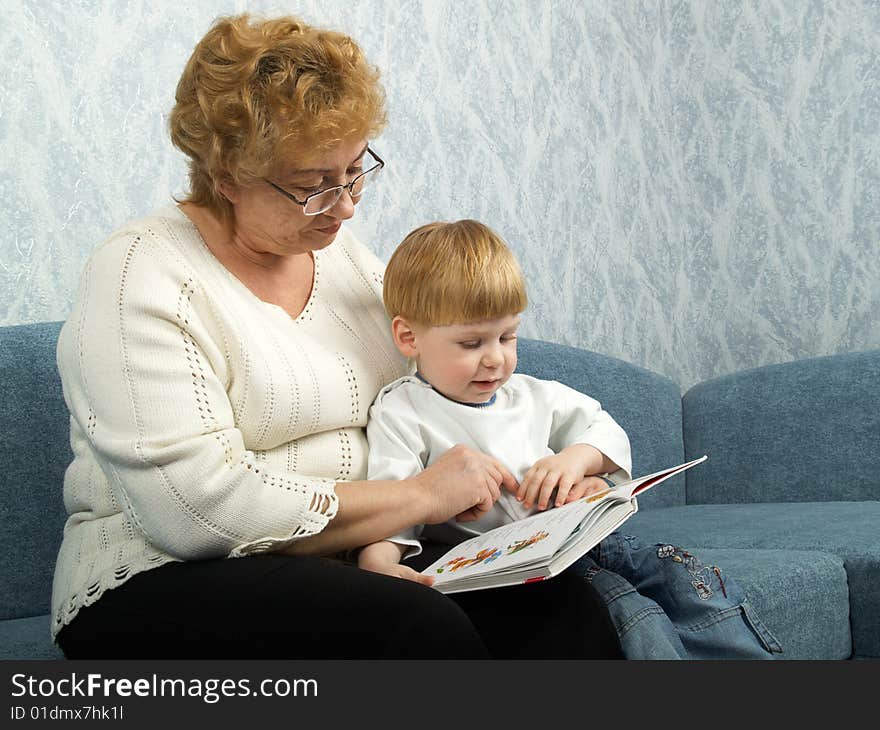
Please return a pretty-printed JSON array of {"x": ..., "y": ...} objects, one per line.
[
  {"x": 525, "y": 484},
  {"x": 408, "y": 573},
  {"x": 548, "y": 484},
  {"x": 532, "y": 491},
  {"x": 593, "y": 485},
  {"x": 563, "y": 490}
]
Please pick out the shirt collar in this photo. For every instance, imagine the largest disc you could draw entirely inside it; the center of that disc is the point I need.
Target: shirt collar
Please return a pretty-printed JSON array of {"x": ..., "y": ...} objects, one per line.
[{"x": 470, "y": 405}]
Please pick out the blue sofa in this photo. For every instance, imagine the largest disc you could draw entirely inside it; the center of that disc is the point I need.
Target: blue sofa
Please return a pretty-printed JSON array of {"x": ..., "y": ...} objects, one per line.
[{"x": 787, "y": 502}]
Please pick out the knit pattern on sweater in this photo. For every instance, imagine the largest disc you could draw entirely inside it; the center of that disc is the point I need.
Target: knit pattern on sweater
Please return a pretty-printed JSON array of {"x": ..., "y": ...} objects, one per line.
[{"x": 206, "y": 423}]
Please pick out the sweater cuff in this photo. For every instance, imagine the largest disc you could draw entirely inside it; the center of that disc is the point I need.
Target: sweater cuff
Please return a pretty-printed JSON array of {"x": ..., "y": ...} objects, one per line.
[{"x": 322, "y": 508}]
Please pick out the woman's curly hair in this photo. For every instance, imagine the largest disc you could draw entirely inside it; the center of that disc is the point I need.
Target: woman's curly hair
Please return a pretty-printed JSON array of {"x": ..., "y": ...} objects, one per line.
[{"x": 256, "y": 92}]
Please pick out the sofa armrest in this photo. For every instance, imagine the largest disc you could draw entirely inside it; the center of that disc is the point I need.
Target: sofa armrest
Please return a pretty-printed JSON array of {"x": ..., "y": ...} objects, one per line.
[
  {"x": 34, "y": 452},
  {"x": 803, "y": 431}
]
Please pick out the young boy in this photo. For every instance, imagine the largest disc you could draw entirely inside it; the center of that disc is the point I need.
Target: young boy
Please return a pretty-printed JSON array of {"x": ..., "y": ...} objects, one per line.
[{"x": 455, "y": 293}]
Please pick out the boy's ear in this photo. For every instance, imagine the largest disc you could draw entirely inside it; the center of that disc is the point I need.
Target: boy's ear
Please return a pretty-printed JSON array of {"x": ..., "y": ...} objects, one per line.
[{"x": 404, "y": 337}]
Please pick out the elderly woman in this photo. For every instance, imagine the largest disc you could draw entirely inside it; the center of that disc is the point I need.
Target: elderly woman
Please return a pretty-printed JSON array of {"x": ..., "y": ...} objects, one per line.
[{"x": 219, "y": 363}]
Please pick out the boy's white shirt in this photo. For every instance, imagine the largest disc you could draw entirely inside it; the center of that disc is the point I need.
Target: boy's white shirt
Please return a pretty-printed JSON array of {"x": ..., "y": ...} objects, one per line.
[{"x": 411, "y": 425}]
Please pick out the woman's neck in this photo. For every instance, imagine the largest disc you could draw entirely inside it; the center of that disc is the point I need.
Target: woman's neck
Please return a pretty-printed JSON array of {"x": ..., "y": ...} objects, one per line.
[{"x": 285, "y": 281}]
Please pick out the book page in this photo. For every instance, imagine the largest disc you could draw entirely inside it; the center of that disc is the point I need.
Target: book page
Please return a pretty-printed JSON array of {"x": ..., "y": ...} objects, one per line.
[
  {"x": 532, "y": 543},
  {"x": 533, "y": 539},
  {"x": 643, "y": 484}
]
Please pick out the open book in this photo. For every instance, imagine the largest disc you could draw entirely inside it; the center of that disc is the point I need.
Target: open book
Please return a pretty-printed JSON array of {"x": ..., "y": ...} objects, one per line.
[{"x": 544, "y": 544}]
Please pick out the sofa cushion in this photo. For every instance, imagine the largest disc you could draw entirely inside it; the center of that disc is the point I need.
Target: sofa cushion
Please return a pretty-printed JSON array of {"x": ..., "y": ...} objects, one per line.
[
  {"x": 845, "y": 529},
  {"x": 645, "y": 404},
  {"x": 804, "y": 431},
  {"x": 34, "y": 452},
  {"x": 814, "y": 629},
  {"x": 28, "y": 638}
]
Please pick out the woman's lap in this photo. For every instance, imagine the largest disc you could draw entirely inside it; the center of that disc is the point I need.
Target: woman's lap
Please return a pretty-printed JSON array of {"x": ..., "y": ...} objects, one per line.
[
  {"x": 561, "y": 618},
  {"x": 267, "y": 607},
  {"x": 273, "y": 606}
]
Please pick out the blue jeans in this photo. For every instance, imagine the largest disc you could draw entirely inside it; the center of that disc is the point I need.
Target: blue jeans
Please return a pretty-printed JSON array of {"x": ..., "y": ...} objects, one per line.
[{"x": 666, "y": 604}]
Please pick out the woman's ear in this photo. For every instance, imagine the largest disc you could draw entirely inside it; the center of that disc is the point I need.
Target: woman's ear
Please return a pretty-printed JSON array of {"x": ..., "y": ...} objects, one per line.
[{"x": 404, "y": 337}]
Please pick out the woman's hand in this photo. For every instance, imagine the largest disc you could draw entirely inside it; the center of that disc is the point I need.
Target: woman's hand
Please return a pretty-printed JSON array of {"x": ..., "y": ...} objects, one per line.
[
  {"x": 464, "y": 483},
  {"x": 568, "y": 473},
  {"x": 384, "y": 557}
]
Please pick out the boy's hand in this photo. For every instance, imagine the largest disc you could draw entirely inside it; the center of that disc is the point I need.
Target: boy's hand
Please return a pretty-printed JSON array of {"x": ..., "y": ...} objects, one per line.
[
  {"x": 396, "y": 570},
  {"x": 585, "y": 487},
  {"x": 568, "y": 473},
  {"x": 384, "y": 557}
]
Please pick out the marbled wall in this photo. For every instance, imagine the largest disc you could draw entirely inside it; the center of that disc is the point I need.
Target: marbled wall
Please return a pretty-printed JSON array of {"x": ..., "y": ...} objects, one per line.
[{"x": 690, "y": 185}]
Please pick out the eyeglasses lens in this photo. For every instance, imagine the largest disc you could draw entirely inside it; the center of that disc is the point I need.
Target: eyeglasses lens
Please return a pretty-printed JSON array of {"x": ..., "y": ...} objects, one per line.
[{"x": 324, "y": 201}]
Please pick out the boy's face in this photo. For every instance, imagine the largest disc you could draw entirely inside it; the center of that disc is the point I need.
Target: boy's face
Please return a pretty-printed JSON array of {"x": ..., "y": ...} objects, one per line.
[{"x": 466, "y": 362}]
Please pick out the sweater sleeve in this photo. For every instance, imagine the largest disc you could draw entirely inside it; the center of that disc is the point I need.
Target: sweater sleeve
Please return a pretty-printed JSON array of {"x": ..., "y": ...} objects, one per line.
[
  {"x": 396, "y": 451},
  {"x": 145, "y": 373},
  {"x": 580, "y": 419}
]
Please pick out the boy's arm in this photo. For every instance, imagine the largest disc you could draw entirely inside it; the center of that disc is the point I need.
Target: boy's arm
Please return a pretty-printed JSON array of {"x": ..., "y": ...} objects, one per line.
[
  {"x": 579, "y": 419},
  {"x": 586, "y": 440},
  {"x": 592, "y": 460}
]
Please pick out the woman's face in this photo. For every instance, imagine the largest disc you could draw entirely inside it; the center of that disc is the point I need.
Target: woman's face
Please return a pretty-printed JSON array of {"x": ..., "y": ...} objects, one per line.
[{"x": 266, "y": 222}]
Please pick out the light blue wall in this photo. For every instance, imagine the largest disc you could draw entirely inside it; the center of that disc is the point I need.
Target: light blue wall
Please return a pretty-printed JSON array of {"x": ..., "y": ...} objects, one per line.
[{"x": 693, "y": 186}]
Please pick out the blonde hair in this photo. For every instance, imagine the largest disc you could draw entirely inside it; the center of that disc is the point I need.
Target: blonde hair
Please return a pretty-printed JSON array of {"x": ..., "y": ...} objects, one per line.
[
  {"x": 451, "y": 273},
  {"x": 256, "y": 93}
]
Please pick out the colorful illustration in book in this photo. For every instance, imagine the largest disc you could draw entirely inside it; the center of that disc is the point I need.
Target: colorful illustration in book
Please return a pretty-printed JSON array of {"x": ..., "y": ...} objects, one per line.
[
  {"x": 486, "y": 555},
  {"x": 529, "y": 541}
]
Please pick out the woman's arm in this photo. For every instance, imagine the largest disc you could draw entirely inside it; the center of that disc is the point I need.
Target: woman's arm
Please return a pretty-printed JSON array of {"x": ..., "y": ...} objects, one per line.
[
  {"x": 367, "y": 511},
  {"x": 463, "y": 483}
]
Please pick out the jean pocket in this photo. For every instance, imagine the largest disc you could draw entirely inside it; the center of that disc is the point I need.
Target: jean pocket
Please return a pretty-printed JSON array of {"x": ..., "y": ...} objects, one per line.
[{"x": 770, "y": 642}]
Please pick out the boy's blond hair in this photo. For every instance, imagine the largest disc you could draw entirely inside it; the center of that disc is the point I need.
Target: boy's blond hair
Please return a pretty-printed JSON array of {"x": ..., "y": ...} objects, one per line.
[{"x": 450, "y": 273}]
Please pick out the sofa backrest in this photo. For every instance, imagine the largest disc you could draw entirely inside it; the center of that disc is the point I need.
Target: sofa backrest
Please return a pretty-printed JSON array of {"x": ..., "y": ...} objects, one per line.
[
  {"x": 646, "y": 404},
  {"x": 35, "y": 445},
  {"x": 804, "y": 431},
  {"x": 34, "y": 452}
]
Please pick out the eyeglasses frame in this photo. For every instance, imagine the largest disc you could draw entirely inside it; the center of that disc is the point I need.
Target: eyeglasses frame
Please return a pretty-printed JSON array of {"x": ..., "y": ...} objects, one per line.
[{"x": 341, "y": 188}]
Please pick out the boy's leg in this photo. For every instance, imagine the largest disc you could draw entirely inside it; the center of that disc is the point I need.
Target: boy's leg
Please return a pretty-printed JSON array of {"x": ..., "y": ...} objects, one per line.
[
  {"x": 708, "y": 609},
  {"x": 644, "y": 629}
]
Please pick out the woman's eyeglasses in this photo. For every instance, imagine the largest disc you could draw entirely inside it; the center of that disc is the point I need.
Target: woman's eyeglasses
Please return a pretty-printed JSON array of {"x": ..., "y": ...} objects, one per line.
[{"x": 323, "y": 200}]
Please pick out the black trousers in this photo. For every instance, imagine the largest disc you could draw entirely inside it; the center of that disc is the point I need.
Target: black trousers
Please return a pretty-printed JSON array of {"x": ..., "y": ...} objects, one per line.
[{"x": 282, "y": 607}]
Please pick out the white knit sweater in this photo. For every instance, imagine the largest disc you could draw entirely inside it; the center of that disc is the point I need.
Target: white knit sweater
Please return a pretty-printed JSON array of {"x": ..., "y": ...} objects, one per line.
[{"x": 204, "y": 421}]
